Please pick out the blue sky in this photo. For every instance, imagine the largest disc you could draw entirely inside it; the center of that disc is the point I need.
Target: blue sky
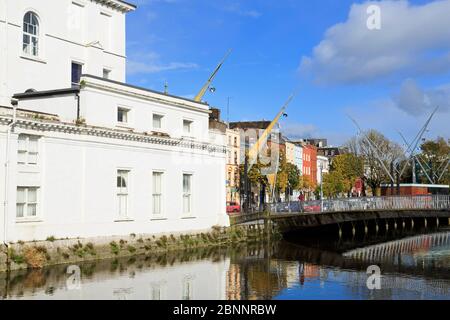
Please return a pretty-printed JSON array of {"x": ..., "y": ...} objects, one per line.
[{"x": 388, "y": 79}]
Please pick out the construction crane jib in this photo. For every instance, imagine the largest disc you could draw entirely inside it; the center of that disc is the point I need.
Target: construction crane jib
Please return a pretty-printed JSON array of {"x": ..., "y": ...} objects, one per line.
[{"x": 201, "y": 94}]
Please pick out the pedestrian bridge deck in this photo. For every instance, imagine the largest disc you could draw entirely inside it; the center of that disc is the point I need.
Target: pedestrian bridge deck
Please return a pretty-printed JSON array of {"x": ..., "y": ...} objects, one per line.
[{"x": 293, "y": 215}]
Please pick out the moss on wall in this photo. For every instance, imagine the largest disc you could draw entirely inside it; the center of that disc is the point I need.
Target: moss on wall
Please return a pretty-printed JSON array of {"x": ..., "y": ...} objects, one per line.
[{"x": 36, "y": 255}]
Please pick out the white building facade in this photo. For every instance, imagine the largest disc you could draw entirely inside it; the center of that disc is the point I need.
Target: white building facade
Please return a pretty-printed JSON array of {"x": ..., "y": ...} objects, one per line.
[
  {"x": 298, "y": 156},
  {"x": 323, "y": 167},
  {"x": 84, "y": 154}
]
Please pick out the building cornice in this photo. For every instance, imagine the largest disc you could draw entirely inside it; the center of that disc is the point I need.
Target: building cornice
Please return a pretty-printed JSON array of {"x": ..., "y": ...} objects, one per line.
[
  {"x": 120, "y": 5},
  {"x": 69, "y": 128}
]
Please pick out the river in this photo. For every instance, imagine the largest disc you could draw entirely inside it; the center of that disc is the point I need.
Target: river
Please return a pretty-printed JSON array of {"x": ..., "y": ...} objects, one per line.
[{"x": 413, "y": 265}]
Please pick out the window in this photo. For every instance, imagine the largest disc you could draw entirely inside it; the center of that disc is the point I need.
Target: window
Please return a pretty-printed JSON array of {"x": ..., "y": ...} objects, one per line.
[
  {"x": 157, "y": 193},
  {"x": 122, "y": 192},
  {"x": 27, "y": 151},
  {"x": 187, "y": 193},
  {"x": 76, "y": 22},
  {"x": 187, "y": 126},
  {"x": 106, "y": 73},
  {"x": 235, "y": 157},
  {"x": 157, "y": 121},
  {"x": 155, "y": 292},
  {"x": 122, "y": 115},
  {"x": 26, "y": 202},
  {"x": 77, "y": 70},
  {"x": 31, "y": 34},
  {"x": 105, "y": 30},
  {"x": 235, "y": 142},
  {"x": 188, "y": 289}
]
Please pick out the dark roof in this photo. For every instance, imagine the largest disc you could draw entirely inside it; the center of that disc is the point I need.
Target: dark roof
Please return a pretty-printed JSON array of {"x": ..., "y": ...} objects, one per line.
[
  {"x": 140, "y": 88},
  {"x": 47, "y": 93},
  {"x": 249, "y": 125}
]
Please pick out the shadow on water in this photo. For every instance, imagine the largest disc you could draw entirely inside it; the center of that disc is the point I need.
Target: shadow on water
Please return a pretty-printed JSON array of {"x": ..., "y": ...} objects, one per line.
[{"x": 414, "y": 251}]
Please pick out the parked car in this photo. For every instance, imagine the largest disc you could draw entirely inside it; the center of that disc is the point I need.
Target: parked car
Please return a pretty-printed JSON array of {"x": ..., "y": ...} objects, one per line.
[{"x": 233, "y": 207}]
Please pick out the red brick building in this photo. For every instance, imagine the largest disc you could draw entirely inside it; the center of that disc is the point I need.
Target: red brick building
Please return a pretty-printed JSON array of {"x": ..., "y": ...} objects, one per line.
[{"x": 310, "y": 163}]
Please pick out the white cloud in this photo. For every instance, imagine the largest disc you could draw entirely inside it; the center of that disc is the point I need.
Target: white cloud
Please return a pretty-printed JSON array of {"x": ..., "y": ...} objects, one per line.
[
  {"x": 298, "y": 130},
  {"x": 237, "y": 9},
  {"x": 413, "y": 40},
  {"x": 150, "y": 63},
  {"x": 417, "y": 101}
]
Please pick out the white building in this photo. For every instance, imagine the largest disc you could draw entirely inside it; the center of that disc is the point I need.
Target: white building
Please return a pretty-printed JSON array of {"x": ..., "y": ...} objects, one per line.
[
  {"x": 102, "y": 158},
  {"x": 298, "y": 156},
  {"x": 323, "y": 167}
]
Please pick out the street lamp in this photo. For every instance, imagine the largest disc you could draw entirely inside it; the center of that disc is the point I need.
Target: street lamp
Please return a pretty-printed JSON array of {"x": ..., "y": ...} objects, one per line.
[{"x": 321, "y": 186}]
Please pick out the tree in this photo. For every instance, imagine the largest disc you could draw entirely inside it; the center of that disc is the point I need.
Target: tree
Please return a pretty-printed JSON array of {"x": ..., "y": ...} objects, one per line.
[
  {"x": 435, "y": 155},
  {"x": 333, "y": 184},
  {"x": 282, "y": 174},
  {"x": 305, "y": 184},
  {"x": 294, "y": 175},
  {"x": 350, "y": 167},
  {"x": 378, "y": 155}
]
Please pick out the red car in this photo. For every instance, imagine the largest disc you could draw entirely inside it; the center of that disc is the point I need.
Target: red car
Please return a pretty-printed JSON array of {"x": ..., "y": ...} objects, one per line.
[
  {"x": 312, "y": 208},
  {"x": 233, "y": 207}
]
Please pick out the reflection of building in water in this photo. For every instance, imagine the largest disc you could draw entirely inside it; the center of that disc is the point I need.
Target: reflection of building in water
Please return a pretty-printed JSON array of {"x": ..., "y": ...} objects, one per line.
[
  {"x": 158, "y": 290},
  {"x": 292, "y": 272},
  {"x": 308, "y": 271},
  {"x": 417, "y": 247},
  {"x": 123, "y": 293},
  {"x": 392, "y": 285},
  {"x": 234, "y": 289},
  {"x": 199, "y": 280}
]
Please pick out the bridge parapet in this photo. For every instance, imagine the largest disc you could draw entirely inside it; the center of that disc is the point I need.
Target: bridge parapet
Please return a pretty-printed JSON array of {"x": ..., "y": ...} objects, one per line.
[{"x": 421, "y": 202}]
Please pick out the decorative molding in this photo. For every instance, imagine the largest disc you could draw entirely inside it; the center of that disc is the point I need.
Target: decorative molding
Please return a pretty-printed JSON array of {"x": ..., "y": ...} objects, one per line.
[
  {"x": 46, "y": 126},
  {"x": 120, "y": 5}
]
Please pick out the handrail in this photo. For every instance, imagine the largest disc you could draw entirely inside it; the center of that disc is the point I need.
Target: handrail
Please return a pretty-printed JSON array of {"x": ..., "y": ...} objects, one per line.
[{"x": 419, "y": 202}]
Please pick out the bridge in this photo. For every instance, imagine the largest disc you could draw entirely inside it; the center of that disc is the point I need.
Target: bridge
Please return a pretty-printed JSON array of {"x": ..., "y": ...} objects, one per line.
[{"x": 397, "y": 210}]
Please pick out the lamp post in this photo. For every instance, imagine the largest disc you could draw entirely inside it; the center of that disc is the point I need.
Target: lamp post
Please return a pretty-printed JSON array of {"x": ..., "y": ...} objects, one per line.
[{"x": 321, "y": 186}]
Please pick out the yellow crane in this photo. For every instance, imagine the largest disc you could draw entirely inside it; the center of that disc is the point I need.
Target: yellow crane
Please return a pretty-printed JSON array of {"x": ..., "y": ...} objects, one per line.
[
  {"x": 202, "y": 92},
  {"x": 257, "y": 147}
]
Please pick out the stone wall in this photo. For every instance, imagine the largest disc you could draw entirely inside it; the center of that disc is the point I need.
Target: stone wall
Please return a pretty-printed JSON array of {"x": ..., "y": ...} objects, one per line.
[
  {"x": 36, "y": 255},
  {"x": 3, "y": 258}
]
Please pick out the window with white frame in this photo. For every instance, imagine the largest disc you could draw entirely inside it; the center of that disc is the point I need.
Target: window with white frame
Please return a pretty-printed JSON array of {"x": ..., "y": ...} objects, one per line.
[
  {"x": 122, "y": 193},
  {"x": 27, "y": 150},
  {"x": 187, "y": 194},
  {"x": 157, "y": 121},
  {"x": 157, "y": 193},
  {"x": 188, "y": 288},
  {"x": 155, "y": 292},
  {"x": 31, "y": 34},
  {"x": 123, "y": 115},
  {"x": 187, "y": 127},
  {"x": 26, "y": 202}
]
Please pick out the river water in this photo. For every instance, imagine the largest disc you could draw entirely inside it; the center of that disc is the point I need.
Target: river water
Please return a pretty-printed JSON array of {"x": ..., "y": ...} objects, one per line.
[{"x": 413, "y": 265}]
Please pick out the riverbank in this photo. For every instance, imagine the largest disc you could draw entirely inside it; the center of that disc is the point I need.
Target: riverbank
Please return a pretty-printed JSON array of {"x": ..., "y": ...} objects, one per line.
[
  {"x": 414, "y": 265},
  {"x": 39, "y": 254}
]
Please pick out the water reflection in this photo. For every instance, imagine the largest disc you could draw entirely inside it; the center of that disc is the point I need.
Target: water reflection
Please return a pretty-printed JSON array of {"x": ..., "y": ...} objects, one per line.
[{"x": 413, "y": 267}]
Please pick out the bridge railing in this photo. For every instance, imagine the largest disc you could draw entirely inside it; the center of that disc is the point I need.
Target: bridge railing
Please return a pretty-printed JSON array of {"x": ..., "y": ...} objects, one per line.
[{"x": 421, "y": 202}]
